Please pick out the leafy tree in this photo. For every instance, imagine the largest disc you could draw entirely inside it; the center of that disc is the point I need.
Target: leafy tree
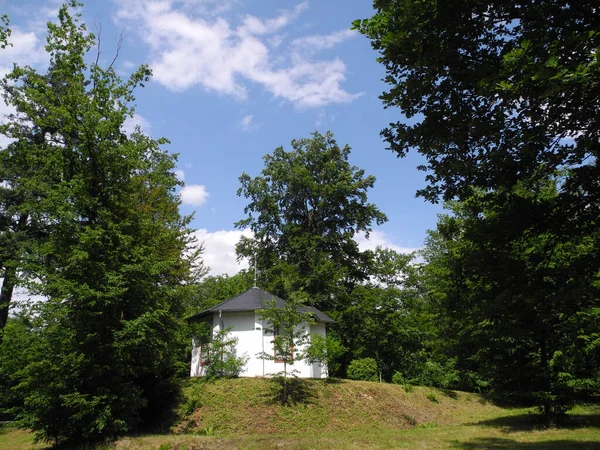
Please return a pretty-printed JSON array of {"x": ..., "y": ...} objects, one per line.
[
  {"x": 116, "y": 256},
  {"x": 305, "y": 209},
  {"x": 389, "y": 318},
  {"x": 495, "y": 92},
  {"x": 288, "y": 324},
  {"x": 519, "y": 307},
  {"x": 215, "y": 289},
  {"x": 501, "y": 99},
  {"x": 222, "y": 358}
]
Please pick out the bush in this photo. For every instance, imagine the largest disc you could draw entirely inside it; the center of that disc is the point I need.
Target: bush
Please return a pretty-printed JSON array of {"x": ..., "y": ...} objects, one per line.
[
  {"x": 434, "y": 374},
  {"x": 364, "y": 369},
  {"x": 398, "y": 378}
]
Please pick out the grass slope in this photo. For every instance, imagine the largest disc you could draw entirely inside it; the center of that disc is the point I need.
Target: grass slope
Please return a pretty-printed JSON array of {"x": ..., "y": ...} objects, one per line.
[
  {"x": 244, "y": 414},
  {"x": 249, "y": 406}
]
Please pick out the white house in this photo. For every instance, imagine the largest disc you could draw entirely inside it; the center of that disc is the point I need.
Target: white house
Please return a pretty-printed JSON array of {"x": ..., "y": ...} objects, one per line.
[{"x": 242, "y": 314}]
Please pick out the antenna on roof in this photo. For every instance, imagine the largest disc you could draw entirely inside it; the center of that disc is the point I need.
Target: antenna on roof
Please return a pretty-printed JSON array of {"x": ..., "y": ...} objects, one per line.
[{"x": 255, "y": 270}]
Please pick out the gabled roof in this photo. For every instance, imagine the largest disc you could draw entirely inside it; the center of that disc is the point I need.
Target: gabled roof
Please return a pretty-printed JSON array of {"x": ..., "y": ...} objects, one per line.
[{"x": 255, "y": 299}]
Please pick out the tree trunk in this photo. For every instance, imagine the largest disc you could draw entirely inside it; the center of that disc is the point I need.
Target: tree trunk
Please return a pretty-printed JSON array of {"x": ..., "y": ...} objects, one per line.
[{"x": 10, "y": 279}]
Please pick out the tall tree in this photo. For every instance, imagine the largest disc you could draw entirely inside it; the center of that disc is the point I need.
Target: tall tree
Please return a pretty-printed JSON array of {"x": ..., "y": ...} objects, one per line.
[
  {"x": 519, "y": 308},
  {"x": 305, "y": 210},
  {"x": 116, "y": 256},
  {"x": 501, "y": 98}
]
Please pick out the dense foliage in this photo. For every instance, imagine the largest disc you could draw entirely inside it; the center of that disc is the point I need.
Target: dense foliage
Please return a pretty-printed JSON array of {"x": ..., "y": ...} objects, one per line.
[
  {"x": 501, "y": 98},
  {"x": 305, "y": 209},
  {"x": 521, "y": 306},
  {"x": 496, "y": 91},
  {"x": 115, "y": 254}
]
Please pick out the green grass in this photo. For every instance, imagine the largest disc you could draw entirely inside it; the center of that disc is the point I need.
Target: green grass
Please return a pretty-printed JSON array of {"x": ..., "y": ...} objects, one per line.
[
  {"x": 349, "y": 415},
  {"x": 13, "y": 439}
]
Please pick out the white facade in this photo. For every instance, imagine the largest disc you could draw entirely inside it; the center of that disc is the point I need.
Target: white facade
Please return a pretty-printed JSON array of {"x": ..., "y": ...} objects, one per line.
[{"x": 249, "y": 329}]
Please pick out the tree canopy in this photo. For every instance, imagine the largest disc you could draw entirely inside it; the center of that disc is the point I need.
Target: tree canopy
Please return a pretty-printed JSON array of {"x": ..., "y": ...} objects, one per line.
[
  {"x": 115, "y": 254},
  {"x": 305, "y": 209},
  {"x": 501, "y": 98},
  {"x": 493, "y": 92}
]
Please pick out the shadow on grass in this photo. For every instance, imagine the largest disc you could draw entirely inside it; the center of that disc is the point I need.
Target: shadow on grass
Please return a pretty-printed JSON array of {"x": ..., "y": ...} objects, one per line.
[
  {"x": 499, "y": 443},
  {"x": 528, "y": 422},
  {"x": 448, "y": 393},
  {"x": 290, "y": 391}
]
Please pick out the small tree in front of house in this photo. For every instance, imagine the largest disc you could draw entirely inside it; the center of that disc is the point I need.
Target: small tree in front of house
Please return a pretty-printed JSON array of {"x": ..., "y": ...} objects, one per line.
[
  {"x": 223, "y": 361},
  {"x": 325, "y": 350},
  {"x": 288, "y": 324}
]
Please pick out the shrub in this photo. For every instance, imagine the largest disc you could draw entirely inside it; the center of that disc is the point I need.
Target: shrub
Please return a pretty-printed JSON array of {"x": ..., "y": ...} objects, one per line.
[
  {"x": 432, "y": 397},
  {"x": 398, "y": 378},
  {"x": 224, "y": 361},
  {"x": 364, "y": 369},
  {"x": 434, "y": 374}
]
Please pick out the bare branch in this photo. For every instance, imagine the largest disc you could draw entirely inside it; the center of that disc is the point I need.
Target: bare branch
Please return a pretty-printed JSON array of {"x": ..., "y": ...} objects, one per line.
[
  {"x": 98, "y": 26},
  {"x": 119, "y": 44}
]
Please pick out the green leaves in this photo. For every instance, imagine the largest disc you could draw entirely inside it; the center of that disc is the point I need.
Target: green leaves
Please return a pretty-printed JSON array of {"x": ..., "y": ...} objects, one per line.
[
  {"x": 104, "y": 242},
  {"x": 305, "y": 209}
]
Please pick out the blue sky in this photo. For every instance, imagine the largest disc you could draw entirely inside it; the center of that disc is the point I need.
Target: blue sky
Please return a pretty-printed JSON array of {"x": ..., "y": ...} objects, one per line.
[{"x": 235, "y": 79}]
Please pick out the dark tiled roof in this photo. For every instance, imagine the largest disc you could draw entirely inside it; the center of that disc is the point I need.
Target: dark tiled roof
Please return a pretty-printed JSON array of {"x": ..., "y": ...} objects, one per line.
[{"x": 255, "y": 299}]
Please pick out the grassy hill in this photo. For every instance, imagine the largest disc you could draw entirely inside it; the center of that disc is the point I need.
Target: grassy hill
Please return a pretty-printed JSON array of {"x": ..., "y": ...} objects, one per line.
[
  {"x": 249, "y": 406},
  {"x": 244, "y": 414}
]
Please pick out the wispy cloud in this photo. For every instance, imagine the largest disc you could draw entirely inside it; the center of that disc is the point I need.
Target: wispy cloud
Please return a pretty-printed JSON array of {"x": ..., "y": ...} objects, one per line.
[
  {"x": 192, "y": 48},
  {"x": 247, "y": 123},
  {"x": 315, "y": 43}
]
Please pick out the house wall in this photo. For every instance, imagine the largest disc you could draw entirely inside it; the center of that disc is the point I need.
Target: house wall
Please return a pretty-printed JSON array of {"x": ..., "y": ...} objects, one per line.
[{"x": 252, "y": 340}]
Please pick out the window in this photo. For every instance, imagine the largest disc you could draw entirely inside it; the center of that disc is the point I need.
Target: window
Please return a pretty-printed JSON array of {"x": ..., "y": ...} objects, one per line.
[
  {"x": 204, "y": 354},
  {"x": 283, "y": 350}
]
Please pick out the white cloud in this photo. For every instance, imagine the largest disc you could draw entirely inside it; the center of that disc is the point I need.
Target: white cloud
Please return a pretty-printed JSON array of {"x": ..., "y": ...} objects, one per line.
[
  {"x": 247, "y": 123},
  {"x": 193, "y": 48},
  {"x": 219, "y": 250},
  {"x": 315, "y": 43},
  {"x": 194, "y": 194},
  {"x": 180, "y": 174},
  {"x": 25, "y": 49},
  {"x": 378, "y": 238},
  {"x": 135, "y": 121}
]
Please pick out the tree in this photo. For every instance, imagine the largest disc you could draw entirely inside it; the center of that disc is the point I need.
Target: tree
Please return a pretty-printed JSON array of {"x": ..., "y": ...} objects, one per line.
[
  {"x": 519, "y": 312},
  {"x": 501, "y": 98},
  {"x": 494, "y": 92},
  {"x": 288, "y": 324},
  {"x": 116, "y": 258},
  {"x": 305, "y": 209}
]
